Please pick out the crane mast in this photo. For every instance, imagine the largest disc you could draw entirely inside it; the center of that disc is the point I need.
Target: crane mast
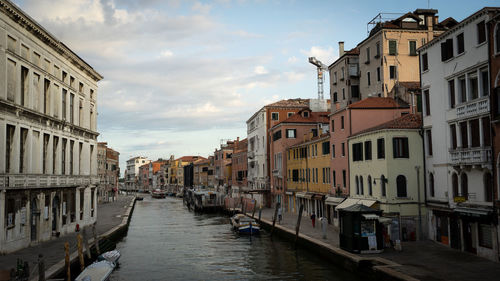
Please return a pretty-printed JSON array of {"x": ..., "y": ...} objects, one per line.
[{"x": 320, "y": 68}]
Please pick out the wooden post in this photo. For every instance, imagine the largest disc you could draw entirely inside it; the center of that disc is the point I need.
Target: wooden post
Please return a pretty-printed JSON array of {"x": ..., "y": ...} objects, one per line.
[
  {"x": 66, "y": 261},
  {"x": 41, "y": 268},
  {"x": 86, "y": 242},
  {"x": 274, "y": 217},
  {"x": 80, "y": 251},
  {"x": 260, "y": 215},
  {"x": 96, "y": 241},
  {"x": 297, "y": 227},
  {"x": 253, "y": 211}
]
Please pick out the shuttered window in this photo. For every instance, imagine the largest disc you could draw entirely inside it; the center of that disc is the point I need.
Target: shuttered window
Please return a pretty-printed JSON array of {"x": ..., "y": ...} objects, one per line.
[{"x": 392, "y": 47}]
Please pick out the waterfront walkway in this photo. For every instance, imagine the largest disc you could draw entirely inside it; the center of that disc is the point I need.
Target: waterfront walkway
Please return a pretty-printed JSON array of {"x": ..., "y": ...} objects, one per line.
[
  {"x": 109, "y": 215},
  {"x": 424, "y": 260}
]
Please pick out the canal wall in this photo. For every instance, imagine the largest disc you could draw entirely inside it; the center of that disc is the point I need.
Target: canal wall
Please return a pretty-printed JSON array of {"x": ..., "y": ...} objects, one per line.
[
  {"x": 369, "y": 268},
  {"x": 114, "y": 234}
]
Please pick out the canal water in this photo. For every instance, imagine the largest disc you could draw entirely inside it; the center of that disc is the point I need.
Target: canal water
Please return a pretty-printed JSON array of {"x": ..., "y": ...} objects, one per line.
[{"x": 165, "y": 241}]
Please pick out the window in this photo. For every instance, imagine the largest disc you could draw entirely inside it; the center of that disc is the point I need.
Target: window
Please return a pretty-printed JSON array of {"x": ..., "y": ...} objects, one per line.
[
  {"x": 378, "y": 74},
  {"x": 334, "y": 178},
  {"x": 357, "y": 184},
  {"x": 314, "y": 132},
  {"x": 464, "y": 135},
  {"x": 368, "y": 78},
  {"x": 277, "y": 135},
  {"x": 481, "y": 32},
  {"x": 344, "y": 178},
  {"x": 486, "y": 130},
  {"x": 305, "y": 114},
  {"x": 72, "y": 108},
  {"x": 380, "y": 148},
  {"x": 485, "y": 235},
  {"x": 401, "y": 186},
  {"x": 326, "y": 147},
  {"x": 343, "y": 149},
  {"x": 367, "y": 56},
  {"x": 485, "y": 90},
  {"x": 413, "y": 48},
  {"x": 55, "y": 142},
  {"x": 488, "y": 188},
  {"x": 357, "y": 151},
  {"x": 288, "y": 114},
  {"x": 474, "y": 131},
  {"x": 383, "y": 189},
  {"x": 392, "y": 72},
  {"x": 460, "y": 43},
  {"x": 355, "y": 91},
  {"x": 295, "y": 175},
  {"x": 370, "y": 189},
  {"x": 400, "y": 147},
  {"x": 342, "y": 75},
  {"x": 63, "y": 156},
  {"x": 377, "y": 50},
  {"x": 447, "y": 50},
  {"x": 392, "y": 47},
  {"x": 333, "y": 151},
  {"x": 463, "y": 89},
  {"x": 333, "y": 126},
  {"x": 453, "y": 131},
  {"x": 368, "y": 150},
  {"x": 454, "y": 184},
  {"x": 9, "y": 146},
  {"x": 343, "y": 93},
  {"x": 451, "y": 91},
  {"x": 427, "y": 103},
  {"x": 71, "y": 156},
  {"x": 80, "y": 87},
  {"x": 342, "y": 122},
  {"x": 431, "y": 185},
  {"x": 473, "y": 86},
  {"x": 274, "y": 116},
  {"x": 361, "y": 188},
  {"x": 465, "y": 185},
  {"x": 291, "y": 133},
  {"x": 335, "y": 97},
  {"x": 425, "y": 62},
  {"x": 63, "y": 101},
  {"x": 428, "y": 133}
]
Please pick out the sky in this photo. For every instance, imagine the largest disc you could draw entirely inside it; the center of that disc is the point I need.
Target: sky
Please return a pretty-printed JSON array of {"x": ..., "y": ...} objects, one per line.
[{"x": 180, "y": 76}]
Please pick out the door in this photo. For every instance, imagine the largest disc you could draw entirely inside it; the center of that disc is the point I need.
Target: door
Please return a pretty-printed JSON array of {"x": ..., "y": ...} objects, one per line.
[
  {"x": 55, "y": 213},
  {"x": 455, "y": 242},
  {"x": 34, "y": 219},
  {"x": 468, "y": 234}
]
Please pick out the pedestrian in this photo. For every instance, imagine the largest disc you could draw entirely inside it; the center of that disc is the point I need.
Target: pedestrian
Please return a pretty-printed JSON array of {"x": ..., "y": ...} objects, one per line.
[
  {"x": 279, "y": 215},
  {"x": 313, "y": 219}
]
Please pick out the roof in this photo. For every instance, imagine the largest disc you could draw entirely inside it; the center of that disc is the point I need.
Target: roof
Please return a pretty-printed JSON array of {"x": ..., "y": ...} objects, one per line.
[
  {"x": 413, "y": 86},
  {"x": 290, "y": 103},
  {"x": 377, "y": 102},
  {"x": 201, "y": 161},
  {"x": 314, "y": 117},
  {"x": 189, "y": 158},
  {"x": 359, "y": 208},
  {"x": 407, "y": 121}
]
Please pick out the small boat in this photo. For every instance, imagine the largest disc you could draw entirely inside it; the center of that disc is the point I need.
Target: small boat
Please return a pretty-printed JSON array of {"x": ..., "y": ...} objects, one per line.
[
  {"x": 139, "y": 198},
  {"x": 245, "y": 225},
  {"x": 98, "y": 271},
  {"x": 158, "y": 193},
  {"x": 112, "y": 256}
]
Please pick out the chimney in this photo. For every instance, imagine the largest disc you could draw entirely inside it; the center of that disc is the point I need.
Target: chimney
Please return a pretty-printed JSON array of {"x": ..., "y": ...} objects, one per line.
[{"x": 341, "y": 48}]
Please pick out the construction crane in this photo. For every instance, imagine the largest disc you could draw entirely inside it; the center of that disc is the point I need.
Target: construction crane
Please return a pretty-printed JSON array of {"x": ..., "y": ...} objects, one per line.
[{"x": 321, "y": 68}]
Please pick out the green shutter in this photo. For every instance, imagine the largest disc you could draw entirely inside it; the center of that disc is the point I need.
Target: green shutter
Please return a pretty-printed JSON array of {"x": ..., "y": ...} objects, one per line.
[{"x": 392, "y": 47}]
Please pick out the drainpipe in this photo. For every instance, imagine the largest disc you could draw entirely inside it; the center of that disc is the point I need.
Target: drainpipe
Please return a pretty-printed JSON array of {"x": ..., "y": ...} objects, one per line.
[{"x": 423, "y": 141}]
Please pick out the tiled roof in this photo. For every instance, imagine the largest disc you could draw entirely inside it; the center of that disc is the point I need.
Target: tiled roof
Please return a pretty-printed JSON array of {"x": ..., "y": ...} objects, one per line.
[
  {"x": 290, "y": 103},
  {"x": 314, "y": 117},
  {"x": 377, "y": 102},
  {"x": 201, "y": 161},
  {"x": 190, "y": 158},
  {"x": 410, "y": 85},
  {"x": 407, "y": 121}
]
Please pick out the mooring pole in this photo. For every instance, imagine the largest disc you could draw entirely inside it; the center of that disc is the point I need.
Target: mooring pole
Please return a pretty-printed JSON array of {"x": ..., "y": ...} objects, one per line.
[
  {"x": 96, "y": 241},
  {"x": 80, "y": 251},
  {"x": 297, "y": 227},
  {"x": 41, "y": 268},
  {"x": 260, "y": 215},
  {"x": 66, "y": 261},
  {"x": 274, "y": 217}
]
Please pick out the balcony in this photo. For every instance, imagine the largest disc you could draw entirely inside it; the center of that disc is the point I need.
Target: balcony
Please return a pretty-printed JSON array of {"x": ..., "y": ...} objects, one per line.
[
  {"x": 474, "y": 108},
  {"x": 471, "y": 156},
  {"x": 37, "y": 181}
]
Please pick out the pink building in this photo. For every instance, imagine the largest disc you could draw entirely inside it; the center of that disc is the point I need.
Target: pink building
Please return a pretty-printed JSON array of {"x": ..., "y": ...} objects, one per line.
[
  {"x": 350, "y": 120},
  {"x": 289, "y": 132},
  {"x": 144, "y": 177}
]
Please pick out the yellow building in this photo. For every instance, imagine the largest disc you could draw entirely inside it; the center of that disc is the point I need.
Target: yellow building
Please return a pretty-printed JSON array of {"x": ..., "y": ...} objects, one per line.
[
  {"x": 386, "y": 164},
  {"x": 309, "y": 178}
]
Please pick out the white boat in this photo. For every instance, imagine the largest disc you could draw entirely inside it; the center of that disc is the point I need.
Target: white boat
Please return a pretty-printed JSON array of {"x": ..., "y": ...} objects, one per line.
[
  {"x": 245, "y": 225},
  {"x": 98, "y": 271},
  {"x": 112, "y": 256}
]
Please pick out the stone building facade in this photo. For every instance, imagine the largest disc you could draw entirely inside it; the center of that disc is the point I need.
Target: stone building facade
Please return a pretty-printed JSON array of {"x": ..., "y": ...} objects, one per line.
[{"x": 48, "y": 137}]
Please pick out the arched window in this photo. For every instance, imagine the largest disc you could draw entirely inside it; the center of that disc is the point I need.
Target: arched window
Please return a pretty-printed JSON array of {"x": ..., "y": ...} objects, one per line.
[
  {"x": 488, "y": 188},
  {"x": 465, "y": 185},
  {"x": 401, "y": 186},
  {"x": 382, "y": 186},
  {"x": 361, "y": 188},
  {"x": 431, "y": 184},
  {"x": 370, "y": 191},
  {"x": 454, "y": 184},
  {"x": 357, "y": 185}
]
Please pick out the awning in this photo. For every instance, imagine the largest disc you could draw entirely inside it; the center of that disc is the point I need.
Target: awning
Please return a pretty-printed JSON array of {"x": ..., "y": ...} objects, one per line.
[
  {"x": 289, "y": 193},
  {"x": 385, "y": 220},
  {"x": 304, "y": 195},
  {"x": 352, "y": 201},
  {"x": 334, "y": 200},
  {"x": 473, "y": 212},
  {"x": 318, "y": 196},
  {"x": 370, "y": 216}
]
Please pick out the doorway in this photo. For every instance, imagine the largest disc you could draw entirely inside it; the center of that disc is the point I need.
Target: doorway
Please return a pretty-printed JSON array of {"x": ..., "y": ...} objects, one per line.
[
  {"x": 34, "y": 219},
  {"x": 55, "y": 213},
  {"x": 469, "y": 237}
]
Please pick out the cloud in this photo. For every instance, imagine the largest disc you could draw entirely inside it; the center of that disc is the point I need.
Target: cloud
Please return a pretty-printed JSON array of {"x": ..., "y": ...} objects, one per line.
[
  {"x": 260, "y": 70},
  {"x": 201, "y": 8},
  {"x": 292, "y": 59},
  {"x": 325, "y": 55},
  {"x": 166, "y": 54}
]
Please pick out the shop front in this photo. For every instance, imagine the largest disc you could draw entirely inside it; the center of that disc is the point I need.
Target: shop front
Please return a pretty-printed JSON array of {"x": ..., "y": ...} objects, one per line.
[{"x": 331, "y": 203}]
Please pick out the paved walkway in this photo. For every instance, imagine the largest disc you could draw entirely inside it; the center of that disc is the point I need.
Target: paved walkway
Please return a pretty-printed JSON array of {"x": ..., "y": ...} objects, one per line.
[
  {"x": 424, "y": 260},
  {"x": 108, "y": 216}
]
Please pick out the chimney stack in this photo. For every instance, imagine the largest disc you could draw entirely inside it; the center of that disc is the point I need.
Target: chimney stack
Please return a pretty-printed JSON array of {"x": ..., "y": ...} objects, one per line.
[{"x": 341, "y": 48}]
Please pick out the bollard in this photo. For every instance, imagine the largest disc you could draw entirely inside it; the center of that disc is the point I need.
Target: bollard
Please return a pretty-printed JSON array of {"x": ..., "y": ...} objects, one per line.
[
  {"x": 66, "y": 261},
  {"x": 80, "y": 251},
  {"x": 41, "y": 268}
]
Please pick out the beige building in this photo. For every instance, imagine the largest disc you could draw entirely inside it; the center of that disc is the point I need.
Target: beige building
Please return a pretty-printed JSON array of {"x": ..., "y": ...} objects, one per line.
[
  {"x": 386, "y": 164},
  {"x": 344, "y": 78},
  {"x": 48, "y": 137},
  {"x": 389, "y": 54}
]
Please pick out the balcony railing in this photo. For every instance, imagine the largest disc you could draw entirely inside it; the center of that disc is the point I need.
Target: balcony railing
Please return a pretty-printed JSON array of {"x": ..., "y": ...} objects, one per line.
[
  {"x": 471, "y": 156},
  {"x": 37, "y": 181},
  {"x": 473, "y": 108}
]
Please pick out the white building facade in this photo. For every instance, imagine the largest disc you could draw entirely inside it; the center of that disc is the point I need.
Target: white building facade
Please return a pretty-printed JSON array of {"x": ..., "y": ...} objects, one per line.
[
  {"x": 48, "y": 137},
  {"x": 457, "y": 138},
  {"x": 257, "y": 174},
  {"x": 132, "y": 172}
]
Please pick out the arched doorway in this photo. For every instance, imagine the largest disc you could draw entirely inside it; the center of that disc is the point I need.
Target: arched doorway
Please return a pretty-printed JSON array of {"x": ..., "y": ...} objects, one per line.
[
  {"x": 55, "y": 213},
  {"x": 34, "y": 219}
]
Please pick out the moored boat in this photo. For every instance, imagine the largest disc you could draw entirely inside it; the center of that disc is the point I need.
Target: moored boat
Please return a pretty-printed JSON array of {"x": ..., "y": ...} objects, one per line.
[
  {"x": 112, "y": 256},
  {"x": 245, "y": 225},
  {"x": 99, "y": 271},
  {"x": 158, "y": 193}
]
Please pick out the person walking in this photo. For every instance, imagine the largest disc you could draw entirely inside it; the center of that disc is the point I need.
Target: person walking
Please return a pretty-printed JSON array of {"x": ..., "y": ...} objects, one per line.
[{"x": 313, "y": 219}]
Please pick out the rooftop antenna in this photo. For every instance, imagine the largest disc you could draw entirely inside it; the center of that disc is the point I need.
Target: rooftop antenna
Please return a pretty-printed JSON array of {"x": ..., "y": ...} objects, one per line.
[{"x": 321, "y": 68}]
